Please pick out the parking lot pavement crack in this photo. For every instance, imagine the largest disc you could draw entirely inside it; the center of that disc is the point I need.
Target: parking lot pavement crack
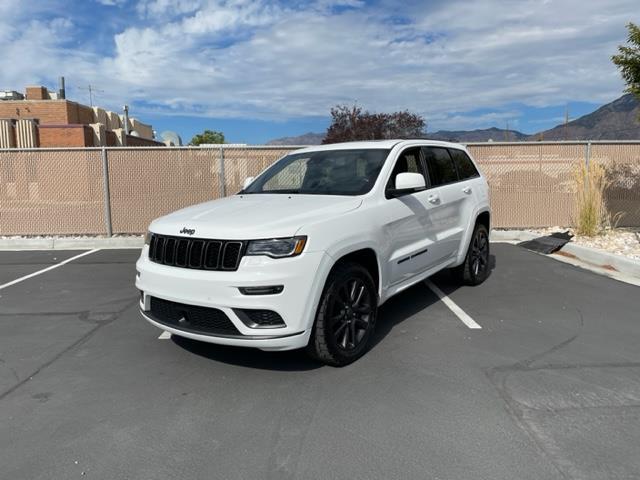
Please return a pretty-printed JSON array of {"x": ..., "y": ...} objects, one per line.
[
  {"x": 50, "y": 362},
  {"x": 602, "y": 409},
  {"x": 98, "y": 325},
  {"x": 498, "y": 377},
  {"x": 11, "y": 369},
  {"x": 527, "y": 363},
  {"x": 291, "y": 434},
  {"x": 574, "y": 366},
  {"x": 44, "y": 314}
]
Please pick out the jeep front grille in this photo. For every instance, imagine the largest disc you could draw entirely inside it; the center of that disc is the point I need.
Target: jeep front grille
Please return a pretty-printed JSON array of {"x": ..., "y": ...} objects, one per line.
[{"x": 196, "y": 253}]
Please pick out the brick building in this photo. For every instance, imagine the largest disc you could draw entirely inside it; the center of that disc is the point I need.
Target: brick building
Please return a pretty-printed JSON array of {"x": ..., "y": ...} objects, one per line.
[{"x": 46, "y": 119}]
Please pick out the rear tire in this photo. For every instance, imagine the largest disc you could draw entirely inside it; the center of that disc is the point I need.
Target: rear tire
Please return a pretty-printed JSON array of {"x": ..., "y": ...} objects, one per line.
[
  {"x": 346, "y": 316},
  {"x": 475, "y": 268}
]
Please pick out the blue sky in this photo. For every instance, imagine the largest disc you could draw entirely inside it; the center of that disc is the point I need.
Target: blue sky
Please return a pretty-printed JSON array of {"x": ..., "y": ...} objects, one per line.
[{"x": 259, "y": 69}]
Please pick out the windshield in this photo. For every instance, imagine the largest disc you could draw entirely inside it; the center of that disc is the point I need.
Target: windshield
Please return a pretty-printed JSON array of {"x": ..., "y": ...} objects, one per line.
[{"x": 329, "y": 172}]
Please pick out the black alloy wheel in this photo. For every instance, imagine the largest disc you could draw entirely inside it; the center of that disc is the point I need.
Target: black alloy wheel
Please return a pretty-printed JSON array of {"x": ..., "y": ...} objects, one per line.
[
  {"x": 350, "y": 312},
  {"x": 475, "y": 268},
  {"x": 480, "y": 252},
  {"x": 346, "y": 316}
]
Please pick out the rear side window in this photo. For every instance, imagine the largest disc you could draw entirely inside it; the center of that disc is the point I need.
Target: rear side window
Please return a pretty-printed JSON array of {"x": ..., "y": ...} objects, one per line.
[
  {"x": 466, "y": 168},
  {"x": 440, "y": 166}
]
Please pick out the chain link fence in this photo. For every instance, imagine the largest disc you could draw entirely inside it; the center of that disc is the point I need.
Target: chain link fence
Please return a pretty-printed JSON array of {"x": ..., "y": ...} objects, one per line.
[
  {"x": 532, "y": 184},
  {"x": 121, "y": 190}
]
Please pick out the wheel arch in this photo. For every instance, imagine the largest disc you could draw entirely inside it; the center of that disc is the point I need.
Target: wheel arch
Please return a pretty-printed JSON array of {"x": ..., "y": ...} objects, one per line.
[
  {"x": 483, "y": 216},
  {"x": 368, "y": 258}
]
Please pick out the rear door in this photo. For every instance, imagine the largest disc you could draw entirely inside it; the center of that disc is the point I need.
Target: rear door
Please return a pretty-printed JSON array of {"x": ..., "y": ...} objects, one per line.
[
  {"x": 453, "y": 199},
  {"x": 468, "y": 174}
]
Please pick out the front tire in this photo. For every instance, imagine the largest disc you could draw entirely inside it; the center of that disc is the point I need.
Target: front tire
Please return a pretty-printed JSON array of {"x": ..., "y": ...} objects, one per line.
[
  {"x": 475, "y": 268},
  {"x": 346, "y": 316}
]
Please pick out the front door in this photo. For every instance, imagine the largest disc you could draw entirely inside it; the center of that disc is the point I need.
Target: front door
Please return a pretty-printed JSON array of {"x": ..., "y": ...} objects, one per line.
[{"x": 410, "y": 228}]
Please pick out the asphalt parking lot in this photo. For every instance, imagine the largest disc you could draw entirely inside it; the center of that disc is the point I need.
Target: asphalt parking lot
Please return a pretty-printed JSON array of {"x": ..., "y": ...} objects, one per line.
[{"x": 548, "y": 388}]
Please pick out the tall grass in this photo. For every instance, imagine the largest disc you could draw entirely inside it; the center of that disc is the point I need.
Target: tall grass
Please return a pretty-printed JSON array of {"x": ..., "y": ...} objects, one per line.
[{"x": 591, "y": 183}]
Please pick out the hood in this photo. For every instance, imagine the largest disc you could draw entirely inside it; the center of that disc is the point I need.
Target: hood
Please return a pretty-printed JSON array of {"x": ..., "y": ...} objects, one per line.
[{"x": 245, "y": 217}]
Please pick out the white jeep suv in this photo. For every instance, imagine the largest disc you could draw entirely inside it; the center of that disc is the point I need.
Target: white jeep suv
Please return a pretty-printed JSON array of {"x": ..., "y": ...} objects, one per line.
[{"x": 305, "y": 254}]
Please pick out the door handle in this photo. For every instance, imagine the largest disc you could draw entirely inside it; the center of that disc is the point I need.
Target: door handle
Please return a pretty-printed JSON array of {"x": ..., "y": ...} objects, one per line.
[
  {"x": 467, "y": 190},
  {"x": 433, "y": 198}
]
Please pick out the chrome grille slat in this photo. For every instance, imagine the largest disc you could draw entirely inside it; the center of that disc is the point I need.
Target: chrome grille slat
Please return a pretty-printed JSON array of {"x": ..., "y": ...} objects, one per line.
[{"x": 196, "y": 253}]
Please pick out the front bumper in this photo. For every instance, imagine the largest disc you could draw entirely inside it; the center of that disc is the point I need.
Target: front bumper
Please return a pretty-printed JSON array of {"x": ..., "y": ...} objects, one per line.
[{"x": 303, "y": 278}]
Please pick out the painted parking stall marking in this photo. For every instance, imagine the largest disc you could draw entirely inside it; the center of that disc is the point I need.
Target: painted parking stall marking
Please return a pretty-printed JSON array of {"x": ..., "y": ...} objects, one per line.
[
  {"x": 164, "y": 336},
  {"x": 44, "y": 270},
  {"x": 461, "y": 314}
]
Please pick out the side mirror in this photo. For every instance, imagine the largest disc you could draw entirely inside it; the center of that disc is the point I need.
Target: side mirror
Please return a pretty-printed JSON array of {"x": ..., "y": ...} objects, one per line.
[
  {"x": 408, "y": 183},
  {"x": 247, "y": 181}
]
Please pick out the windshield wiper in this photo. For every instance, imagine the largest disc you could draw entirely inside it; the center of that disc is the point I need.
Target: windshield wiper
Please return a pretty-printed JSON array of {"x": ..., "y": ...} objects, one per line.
[{"x": 285, "y": 191}]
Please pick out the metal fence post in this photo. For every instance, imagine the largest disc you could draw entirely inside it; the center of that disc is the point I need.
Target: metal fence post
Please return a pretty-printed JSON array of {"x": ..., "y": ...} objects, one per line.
[
  {"x": 107, "y": 195},
  {"x": 587, "y": 155},
  {"x": 222, "y": 186}
]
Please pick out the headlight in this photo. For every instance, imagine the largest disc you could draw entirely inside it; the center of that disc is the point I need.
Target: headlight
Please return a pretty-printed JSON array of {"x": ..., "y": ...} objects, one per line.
[
  {"x": 277, "y": 247},
  {"x": 147, "y": 238}
]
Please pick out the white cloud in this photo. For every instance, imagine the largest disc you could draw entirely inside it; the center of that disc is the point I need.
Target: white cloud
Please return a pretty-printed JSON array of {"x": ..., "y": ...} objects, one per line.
[
  {"x": 111, "y": 3},
  {"x": 167, "y": 8},
  {"x": 458, "y": 121},
  {"x": 260, "y": 59}
]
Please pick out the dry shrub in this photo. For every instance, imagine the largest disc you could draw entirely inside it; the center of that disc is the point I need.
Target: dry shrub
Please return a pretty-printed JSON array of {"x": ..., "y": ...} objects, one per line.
[{"x": 591, "y": 183}]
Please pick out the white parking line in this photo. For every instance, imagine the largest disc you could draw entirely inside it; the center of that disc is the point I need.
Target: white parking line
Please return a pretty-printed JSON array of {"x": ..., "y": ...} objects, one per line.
[
  {"x": 165, "y": 335},
  {"x": 26, "y": 277},
  {"x": 461, "y": 314}
]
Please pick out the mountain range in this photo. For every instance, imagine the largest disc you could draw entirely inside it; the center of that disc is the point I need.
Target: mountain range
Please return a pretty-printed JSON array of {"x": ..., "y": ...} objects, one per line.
[
  {"x": 309, "y": 138},
  {"x": 618, "y": 120}
]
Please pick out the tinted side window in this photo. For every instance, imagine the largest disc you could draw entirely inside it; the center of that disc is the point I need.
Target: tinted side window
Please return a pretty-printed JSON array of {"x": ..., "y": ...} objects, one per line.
[
  {"x": 440, "y": 166},
  {"x": 466, "y": 168},
  {"x": 408, "y": 161}
]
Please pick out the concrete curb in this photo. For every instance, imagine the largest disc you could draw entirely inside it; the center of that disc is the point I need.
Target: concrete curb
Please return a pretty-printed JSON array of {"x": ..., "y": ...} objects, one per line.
[
  {"x": 70, "y": 243},
  {"x": 604, "y": 259},
  {"x": 596, "y": 257},
  {"x": 511, "y": 236}
]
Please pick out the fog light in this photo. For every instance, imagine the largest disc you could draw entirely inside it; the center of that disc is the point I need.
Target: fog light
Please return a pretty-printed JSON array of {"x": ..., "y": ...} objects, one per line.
[
  {"x": 268, "y": 290},
  {"x": 259, "y": 318}
]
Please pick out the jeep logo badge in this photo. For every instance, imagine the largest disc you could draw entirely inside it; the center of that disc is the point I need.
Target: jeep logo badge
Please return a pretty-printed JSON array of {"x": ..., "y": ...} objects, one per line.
[{"x": 188, "y": 231}]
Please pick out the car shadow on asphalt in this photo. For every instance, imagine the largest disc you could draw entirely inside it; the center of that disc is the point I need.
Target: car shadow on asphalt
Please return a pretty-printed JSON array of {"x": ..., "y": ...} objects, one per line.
[
  {"x": 395, "y": 311},
  {"x": 401, "y": 307},
  {"x": 414, "y": 300},
  {"x": 449, "y": 284},
  {"x": 288, "y": 361}
]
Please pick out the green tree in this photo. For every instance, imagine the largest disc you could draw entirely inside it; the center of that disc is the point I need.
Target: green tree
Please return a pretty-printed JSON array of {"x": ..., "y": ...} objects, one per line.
[
  {"x": 206, "y": 137},
  {"x": 628, "y": 60}
]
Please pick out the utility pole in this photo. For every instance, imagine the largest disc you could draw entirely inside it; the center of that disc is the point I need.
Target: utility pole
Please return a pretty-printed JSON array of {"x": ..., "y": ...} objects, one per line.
[
  {"x": 91, "y": 89},
  {"x": 566, "y": 121}
]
